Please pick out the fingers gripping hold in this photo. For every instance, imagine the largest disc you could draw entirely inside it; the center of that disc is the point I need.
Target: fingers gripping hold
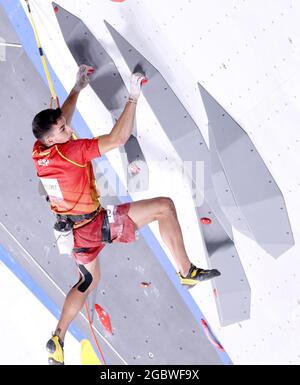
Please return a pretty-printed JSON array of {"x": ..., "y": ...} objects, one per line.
[
  {"x": 136, "y": 81},
  {"x": 82, "y": 77}
]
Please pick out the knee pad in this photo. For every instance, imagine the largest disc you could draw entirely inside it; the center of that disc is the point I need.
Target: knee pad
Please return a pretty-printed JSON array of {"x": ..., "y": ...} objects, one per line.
[{"x": 88, "y": 279}]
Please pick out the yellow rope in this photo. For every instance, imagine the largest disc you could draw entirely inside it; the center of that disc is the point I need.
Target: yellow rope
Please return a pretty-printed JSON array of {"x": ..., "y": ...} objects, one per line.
[
  {"x": 53, "y": 94},
  {"x": 47, "y": 73}
]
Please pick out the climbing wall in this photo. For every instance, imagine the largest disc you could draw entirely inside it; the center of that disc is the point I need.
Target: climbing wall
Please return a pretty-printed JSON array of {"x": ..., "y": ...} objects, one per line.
[
  {"x": 245, "y": 56},
  {"x": 183, "y": 134},
  {"x": 135, "y": 291}
]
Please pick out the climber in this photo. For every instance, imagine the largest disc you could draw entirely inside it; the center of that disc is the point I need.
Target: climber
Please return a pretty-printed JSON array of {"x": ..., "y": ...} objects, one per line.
[{"x": 64, "y": 166}]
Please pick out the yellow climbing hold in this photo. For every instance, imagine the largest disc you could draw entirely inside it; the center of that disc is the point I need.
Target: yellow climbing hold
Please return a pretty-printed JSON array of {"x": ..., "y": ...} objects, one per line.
[{"x": 87, "y": 354}]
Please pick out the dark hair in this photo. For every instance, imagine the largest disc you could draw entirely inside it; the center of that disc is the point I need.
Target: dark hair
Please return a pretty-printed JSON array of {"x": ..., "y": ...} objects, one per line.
[{"x": 43, "y": 122}]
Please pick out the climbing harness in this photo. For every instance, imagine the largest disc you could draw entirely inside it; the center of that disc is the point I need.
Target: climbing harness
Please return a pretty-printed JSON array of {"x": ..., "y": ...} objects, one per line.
[{"x": 63, "y": 229}]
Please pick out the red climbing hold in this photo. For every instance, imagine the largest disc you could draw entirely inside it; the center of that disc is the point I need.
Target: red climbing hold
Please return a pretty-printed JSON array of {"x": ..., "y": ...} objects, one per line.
[
  {"x": 205, "y": 221},
  {"x": 103, "y": 318},
  {"x": 144, "y": 81},
  {"x": 90, "y": 70},
  {"x": 134, "y": 168},
  {"x": 211, "y": 337},
  {"x": 55, "y": 9},
  {"x": 117, "y": 1}
]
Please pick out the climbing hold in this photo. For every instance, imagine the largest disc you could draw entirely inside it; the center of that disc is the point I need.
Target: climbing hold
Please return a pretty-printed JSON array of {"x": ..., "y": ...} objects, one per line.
[
  {"x": 134, "y": 168},
  {"x": 90, "y": 70},
  {"x": 103, "y": 318},
  {"x": 117, "y": 1},
  {"x": 144, "y": 81},
  {"x": 55, "y": 9},
  {"x": 87, "y": 354},
  {"x": 205, "y": 221},
  {"x": 211, "y": 337},
  {"x": 54, "y": 102},
  {"x": 145, "y": 284}
]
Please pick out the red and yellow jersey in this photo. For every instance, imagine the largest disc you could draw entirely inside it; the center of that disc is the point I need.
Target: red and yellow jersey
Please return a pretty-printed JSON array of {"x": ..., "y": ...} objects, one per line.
[{"x": 67, "y": 175}]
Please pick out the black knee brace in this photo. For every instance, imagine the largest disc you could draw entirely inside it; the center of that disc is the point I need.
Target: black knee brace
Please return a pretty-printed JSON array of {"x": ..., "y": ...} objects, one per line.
[{"x": 88, "y": 279}]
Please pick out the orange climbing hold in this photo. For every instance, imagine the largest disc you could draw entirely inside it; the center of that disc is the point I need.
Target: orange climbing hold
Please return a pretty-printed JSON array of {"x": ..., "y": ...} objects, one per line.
[
  {"x": 103, "y": 318},
  {"x": 205, "y": 221}
]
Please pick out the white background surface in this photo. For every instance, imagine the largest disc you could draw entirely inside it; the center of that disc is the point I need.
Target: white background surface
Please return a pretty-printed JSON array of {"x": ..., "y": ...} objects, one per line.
[
  {"x": 247, "y": 55},
  {"x": 26, "y": 325}
]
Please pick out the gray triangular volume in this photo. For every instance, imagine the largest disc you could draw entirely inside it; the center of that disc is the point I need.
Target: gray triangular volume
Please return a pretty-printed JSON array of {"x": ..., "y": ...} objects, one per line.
[
  {"x": 86, "y": 49},
  {"x": 255, "y": 191},
  {"x": 234, "y": 294},
  {"x": 108, "y": 86}
]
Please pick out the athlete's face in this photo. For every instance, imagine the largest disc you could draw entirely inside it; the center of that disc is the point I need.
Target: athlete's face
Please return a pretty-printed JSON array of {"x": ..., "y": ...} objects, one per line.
[{"x": 60, "y": 133}]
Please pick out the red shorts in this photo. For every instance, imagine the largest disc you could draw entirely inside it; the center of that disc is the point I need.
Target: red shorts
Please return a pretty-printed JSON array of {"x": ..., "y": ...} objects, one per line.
[{"x": 88, "y": 238}]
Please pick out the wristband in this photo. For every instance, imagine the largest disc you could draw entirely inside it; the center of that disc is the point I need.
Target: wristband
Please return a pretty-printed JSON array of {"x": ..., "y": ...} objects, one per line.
[{"x": 131, "y": 100}]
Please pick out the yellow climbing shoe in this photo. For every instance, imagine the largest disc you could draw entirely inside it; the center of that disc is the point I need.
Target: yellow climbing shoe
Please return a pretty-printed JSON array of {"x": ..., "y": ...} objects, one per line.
[
  {"x": 196, "y": 275},
  {"x": 55, "y": 348}
]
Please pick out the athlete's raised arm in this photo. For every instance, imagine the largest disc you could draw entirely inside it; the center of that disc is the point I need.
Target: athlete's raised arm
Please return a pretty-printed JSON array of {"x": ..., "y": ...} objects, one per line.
[
  {"x": 122, "y": 130},
  {"x": 82, "y": 80}
]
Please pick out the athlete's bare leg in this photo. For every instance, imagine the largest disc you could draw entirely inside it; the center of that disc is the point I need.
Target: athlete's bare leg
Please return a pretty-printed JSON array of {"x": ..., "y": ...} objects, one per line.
[
  {"x": 142, "y": 213},
  {"x": 163, "y": 210},
  {"x": 75, "y": 299}
]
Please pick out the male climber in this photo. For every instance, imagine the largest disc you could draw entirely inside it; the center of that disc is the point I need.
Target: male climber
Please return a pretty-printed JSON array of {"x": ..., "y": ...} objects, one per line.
[{"x": 64, "y": 166}]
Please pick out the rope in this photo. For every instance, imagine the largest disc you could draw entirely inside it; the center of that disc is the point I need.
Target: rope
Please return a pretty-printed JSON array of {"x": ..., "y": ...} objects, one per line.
[
  {"x": 47, "y": 73},
  {"x": 93, "y": 333}
]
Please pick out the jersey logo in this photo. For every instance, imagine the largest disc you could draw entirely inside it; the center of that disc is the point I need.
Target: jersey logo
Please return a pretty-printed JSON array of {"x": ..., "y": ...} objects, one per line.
[{"x": 43, "y": 162}]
